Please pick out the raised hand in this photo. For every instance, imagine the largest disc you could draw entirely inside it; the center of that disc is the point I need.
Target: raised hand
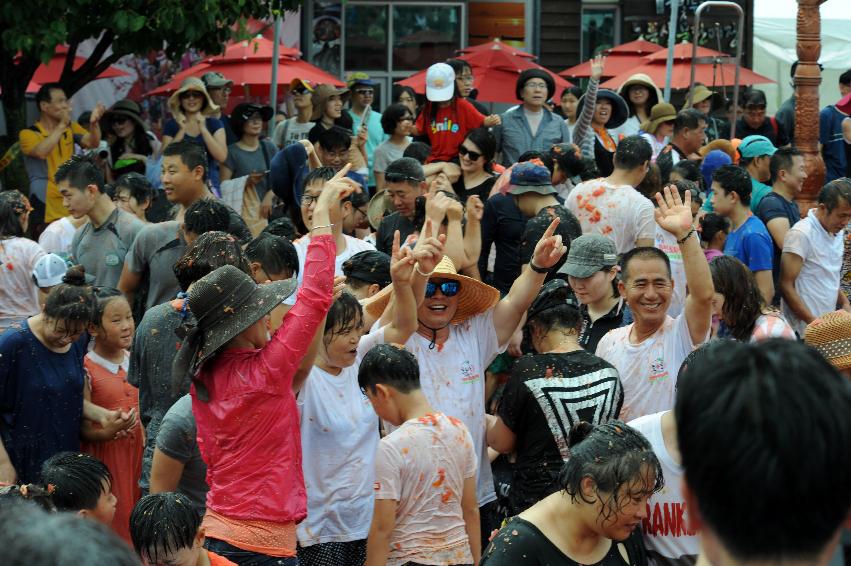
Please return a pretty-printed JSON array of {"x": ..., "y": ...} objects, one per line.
[
  {"x": 308, "y": 147},
  {"x": 429, "y": 248},
  {"x": 333, "y": 192},
  {"x": 402, "y": 263},
  {"x": 549, "y": 249},
  {"x": 674, "y": 214},
  {"x": 598, "y": 65},
  {"x": 475, "y": 209},
  {"x": 437, "y": 204},
  {"x": 97, "y": 113}
]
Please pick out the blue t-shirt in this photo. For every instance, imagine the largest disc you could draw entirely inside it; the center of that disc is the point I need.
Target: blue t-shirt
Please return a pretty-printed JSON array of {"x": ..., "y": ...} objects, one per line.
[
  {"x": 171, "y": 128},
  {"x": 751, "y": 244},
  {"x": 832, "y": 141},
  {"x": 41, "y": 400}
]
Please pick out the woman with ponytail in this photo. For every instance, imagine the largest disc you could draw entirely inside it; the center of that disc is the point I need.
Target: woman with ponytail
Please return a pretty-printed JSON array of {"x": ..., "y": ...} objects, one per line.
[{"x": 594, "y": 517}]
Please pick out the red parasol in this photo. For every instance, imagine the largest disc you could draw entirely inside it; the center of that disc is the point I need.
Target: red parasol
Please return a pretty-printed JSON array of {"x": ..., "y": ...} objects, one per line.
[
  {"x": 52, "y": 71},
  {"x": 619, "y": 59},
  {"x": 257, "y": 48},
  {"x": 682, "y": 52},
  {"x": 705, "y": 73},
  {"x": 498, "y": 45}
]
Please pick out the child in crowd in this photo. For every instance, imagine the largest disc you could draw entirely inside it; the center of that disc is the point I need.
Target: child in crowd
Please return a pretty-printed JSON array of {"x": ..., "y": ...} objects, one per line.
[
  {"x": 81, "y": 484},
  {"x": 713, "y": 235},
  {"x": 426, "y": 509},
  {"x": 166, "y": 529},
  {"x": 106, "y": 374}
]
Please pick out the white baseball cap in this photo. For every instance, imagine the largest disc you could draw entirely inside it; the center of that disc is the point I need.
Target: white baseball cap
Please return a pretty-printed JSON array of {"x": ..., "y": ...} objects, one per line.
[
  {"x": 440, "y": 83},
  {"x": 49, "y": 271}
]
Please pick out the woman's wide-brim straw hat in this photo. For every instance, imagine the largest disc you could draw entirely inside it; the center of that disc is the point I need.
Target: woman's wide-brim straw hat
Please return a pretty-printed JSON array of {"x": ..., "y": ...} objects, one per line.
[
  {"x": 474, "y": 297},
  {"x": 196, "y": 84},
  {"x": 830, "y": 334}
]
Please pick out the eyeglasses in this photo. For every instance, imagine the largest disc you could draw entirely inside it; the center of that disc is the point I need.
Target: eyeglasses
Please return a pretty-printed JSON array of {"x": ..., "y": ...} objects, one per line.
[
  {"x": 307, "y": 200},
  {"x": 400, "y": 178},
  {"x": 448, "y": 288},
  {"x": 191, "y": 94},
  {"x": 298, "y": 91},
  {"x": 536, "y": 84},
  {"x": 365, "y": 92},
  {"x": 472, "y": 155},
  {"x": 335, "y": 155}
]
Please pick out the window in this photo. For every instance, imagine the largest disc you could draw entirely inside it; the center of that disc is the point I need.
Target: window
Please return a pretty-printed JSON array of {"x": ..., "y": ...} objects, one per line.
[
  {"x": 600, "y": 29},
  {"x": 366, "y": 37},
  {"x": 423, "y": 35}
]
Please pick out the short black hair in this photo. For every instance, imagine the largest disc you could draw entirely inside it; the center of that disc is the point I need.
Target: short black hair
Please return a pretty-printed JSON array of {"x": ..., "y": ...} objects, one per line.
[
  {"x": 78, "y": 480},
  {"x": 845, "y": 78},
  {"x": 543, "y": 156},
  {"x": 644, "y": 253},
  {"x": 283, "y": 227},
  {"x": 163, "y": 522},
  {"x": 80, "y": 172},
  {"x": 273, "y": 253},
  {"x": 568, "y": 157},
  {"x": 758, "y": 426},
  {"x": 392, "y": 365},
  {"x": 615, "y": 456},
  {"x": 753, "y": 96},
  {"x": 45, "y": 93},
  {"x": 833, "y": 192},
  {"x": 139, "y": 186},
  {"x": 418, "y": 150},
  {"x": 574, "y": 90},
  {"x": 334, "y": 138},
  {"x": 689, "y": 170},
  {"x": 323, "y": 174},
  {"x": 367, "y": 267},
  {"x": 13, "y": 204},
  {"x": 191, "y": 154},
  {"x": 391, "y": 116},
  {"x": 397, "y": 91},
  {"x": 782, "y": 160},
  {"x": 689, "y": 118},
  {"x": 209, "y": 252},
  {"x": 344, "y": 315},
  {"x": 734, "y": 179},
  {"x": 409, "y": 168},
  {"x": 206, "y": 215},
  {"x": 632, "y": 152},
  {"x": 711, "y": 224}
]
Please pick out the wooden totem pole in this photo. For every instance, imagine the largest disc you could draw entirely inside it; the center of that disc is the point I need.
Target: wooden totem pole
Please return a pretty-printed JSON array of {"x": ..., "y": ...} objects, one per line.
[{"x": 807, "y": 81}]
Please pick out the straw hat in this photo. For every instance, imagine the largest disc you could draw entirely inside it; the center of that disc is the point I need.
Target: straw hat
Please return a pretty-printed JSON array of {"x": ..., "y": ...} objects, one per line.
[
  {"x": 701, "y": 93},
  {"x": 660, "y": 113},
  {"x": 724, "y": 145},
  {"x": 474, "y": 297},
  {"x": 225, "y": 303},
  {"x": 645, "y": 81},
  {"x": 830, "y": 335},
  {"x": 196, "y": 84},
  {"x": 379, "y": 206},
  {"x": 320, "y": 95}
]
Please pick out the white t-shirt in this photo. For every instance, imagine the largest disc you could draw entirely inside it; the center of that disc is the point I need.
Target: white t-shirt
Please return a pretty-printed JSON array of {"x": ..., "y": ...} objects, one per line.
[
  {"x": 617, "y": 212},
  {"x": 818, "y": 282},
  {"x": 655, "y": 144},
  {"x": 667, "y": 533},
  {"x": 18, "y": 291},
  {"x": 353, "y": 246},
  {"x": 339, "y": 439},
  {"x": 423, "y": 465},
  {"x": 534, "y": 119},
  {"x": 667, "y": 242},
  {"x": 290, "y": 131},
  {"x": 57, "y": 237},
  {"x": 648, "y": 370},
  {"x": 453, "y": 380}
]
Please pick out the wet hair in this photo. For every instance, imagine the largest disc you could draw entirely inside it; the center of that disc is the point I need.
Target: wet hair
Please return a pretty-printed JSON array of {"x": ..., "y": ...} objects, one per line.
[
  {"x": 391, "y": 117},
  {"x": 80, "y": 172},
  {"x": 206, "y": 215},
  {"x": 832, "y": 193},
  {"x": 78, "y": 480},
  {"x": 418, "y": 150},
  {"x": 651, "y": 183},
  {"x": 334, "y": 138},
  {"x": 569, "y": 162},
  {"x": 760, "y": 426},
  {"x": 696, "y": 356},
  {"x": 72, "y": 301},
  {"x": 274, "y": 254},
  {"x": 690, "y": 171},
  {"x": 45, "y": 93},
  {"x": 632, "y": 152},
  {"x": 392, "y": 365},
  {"x": 644, "y": 253},
  {"x": 28, "y": 495},
  {"x": 689, "y": 118},
  {"x": 591, "y": 169},
  {"x": 782, "y": 160},
  {"x": 139, "y": 186},
  {"x": 323, "y": 174},
  {"x": 163, "y": 523},
  {"x": 734, "y": 179},
  {"x": 367, "y": 267},
  {"x": 543, "y": 156},
  {"x": 743, "y": 302},
  {"x": 32, "y": 536},
  {"x": 209, "y": 252},
  {"x": 13, "y": 205},
  {"x": 191, "y": 154},
  {"x": 486, "y": 143},
  {"x": 711, "y": 224},
  {"x": 615, "y": 456},
  {"x": 565, "y": 316},
  {"x": 282, "y": 227},
  {"x": 102, "y": 297},
  {"x": 345, "y": 315}
]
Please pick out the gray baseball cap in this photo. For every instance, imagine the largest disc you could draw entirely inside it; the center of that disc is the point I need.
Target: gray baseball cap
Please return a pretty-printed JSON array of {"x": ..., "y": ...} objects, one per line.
[{"x": 589, "y": 254}]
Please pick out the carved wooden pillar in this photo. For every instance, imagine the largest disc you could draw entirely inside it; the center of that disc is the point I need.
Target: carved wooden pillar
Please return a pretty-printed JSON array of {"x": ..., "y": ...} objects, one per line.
[{"x": 807, "y": 81}]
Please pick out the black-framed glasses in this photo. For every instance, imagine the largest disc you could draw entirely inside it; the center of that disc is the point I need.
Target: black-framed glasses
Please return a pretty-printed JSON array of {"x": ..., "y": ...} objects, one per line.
[
  {"x": 400, "y": 178},
  {"x": 307, "y": 200},
  {"x": 472, "y": 155},
  {"x": 365, "y": 92},
  {"x": 448, "y": 288}
]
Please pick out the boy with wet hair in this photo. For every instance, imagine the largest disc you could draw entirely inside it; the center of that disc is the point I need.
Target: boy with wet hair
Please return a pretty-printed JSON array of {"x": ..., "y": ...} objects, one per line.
[
  {"x": 425, "y": 479},
  {"x": 82, "y": 484}
]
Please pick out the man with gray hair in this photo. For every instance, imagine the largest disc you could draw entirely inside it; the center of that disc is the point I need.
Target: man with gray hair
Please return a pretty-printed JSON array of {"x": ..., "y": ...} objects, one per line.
[{"x": 404, "y": 181}]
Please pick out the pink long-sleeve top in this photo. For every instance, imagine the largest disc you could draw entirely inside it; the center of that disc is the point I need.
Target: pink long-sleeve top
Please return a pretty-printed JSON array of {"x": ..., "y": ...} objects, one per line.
[{"x": 248, "y": 432}]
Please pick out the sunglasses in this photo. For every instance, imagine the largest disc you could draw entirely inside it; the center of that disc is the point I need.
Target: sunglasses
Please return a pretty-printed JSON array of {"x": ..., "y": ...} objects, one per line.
[
  {"x": 473, "y": 155},
  {"x": 300, "y": 90},
  {"x": 191, "y": 94},
  {"x": 400, "y": 178},
  {"x": 448, "y": 288},
  {"x": 120, "y": 119},
  {"x": 365, "y": 92}
]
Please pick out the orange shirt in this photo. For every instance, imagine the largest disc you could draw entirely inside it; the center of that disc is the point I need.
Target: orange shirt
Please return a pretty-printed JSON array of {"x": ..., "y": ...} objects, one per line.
[
  {"x": 216, "y": 560},
  {"x": 262, "y": 537}
]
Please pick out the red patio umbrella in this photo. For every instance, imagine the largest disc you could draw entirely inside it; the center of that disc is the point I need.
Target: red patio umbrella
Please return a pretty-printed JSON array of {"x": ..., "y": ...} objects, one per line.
[
  {"x": 496, "y": 44},
  {"x": 682, "y": 52},
  {"x": 706, "y": 73},
  {"x": 619, "y": 59},
  {"x": 495, "y": 73},
  {"x": 52, "y": 71},
  {"x": 256, "y": 48}
]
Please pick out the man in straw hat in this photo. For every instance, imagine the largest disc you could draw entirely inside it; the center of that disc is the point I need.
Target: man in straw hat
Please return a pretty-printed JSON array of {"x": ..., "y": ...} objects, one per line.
[
  {"x": 463, "y": 326},
  {"x": 251, "y": 382}
]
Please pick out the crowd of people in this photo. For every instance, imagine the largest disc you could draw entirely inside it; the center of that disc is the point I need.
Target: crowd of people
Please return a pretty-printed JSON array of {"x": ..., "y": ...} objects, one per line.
[{"x": 593, "y": 329}]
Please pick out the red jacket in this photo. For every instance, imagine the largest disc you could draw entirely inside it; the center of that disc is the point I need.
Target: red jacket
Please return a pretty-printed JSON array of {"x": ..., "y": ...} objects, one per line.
[{"x": 248, "y": 432}]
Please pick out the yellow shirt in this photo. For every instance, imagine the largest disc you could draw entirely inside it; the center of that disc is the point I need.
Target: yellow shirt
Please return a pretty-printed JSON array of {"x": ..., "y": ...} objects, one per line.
[{"x": 29, "y": 138}]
